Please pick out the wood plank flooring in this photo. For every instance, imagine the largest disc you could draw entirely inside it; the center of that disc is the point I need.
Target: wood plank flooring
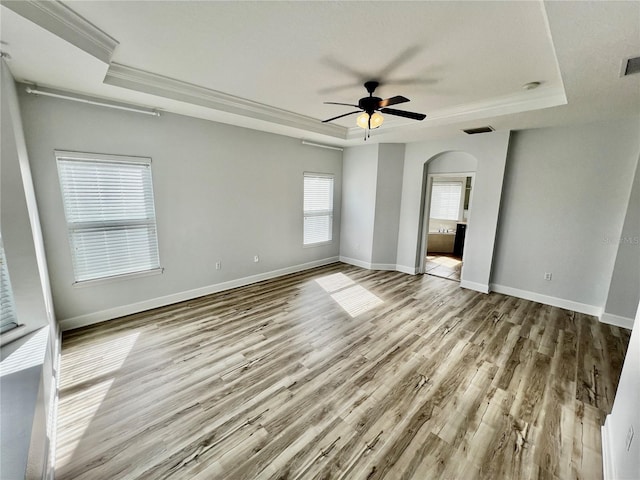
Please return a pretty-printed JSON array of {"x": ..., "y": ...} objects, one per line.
[{"x": 339, "y": 373}]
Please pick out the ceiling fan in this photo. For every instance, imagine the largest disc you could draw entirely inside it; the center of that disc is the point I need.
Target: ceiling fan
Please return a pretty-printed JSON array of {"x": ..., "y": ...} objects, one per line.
[{"x": 370, "y": 106}]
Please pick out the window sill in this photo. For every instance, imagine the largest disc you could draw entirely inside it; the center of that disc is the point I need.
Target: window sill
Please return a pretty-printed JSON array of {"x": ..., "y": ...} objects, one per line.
[
  {"x": 13, "y": 334},
  {"x": 117, "y": 278},
  {"x": 318, "y": 244}
]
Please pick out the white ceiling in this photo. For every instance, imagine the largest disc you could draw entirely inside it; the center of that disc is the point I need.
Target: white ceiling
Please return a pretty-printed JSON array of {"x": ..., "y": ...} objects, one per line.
[{"x": 271, "y": 65}]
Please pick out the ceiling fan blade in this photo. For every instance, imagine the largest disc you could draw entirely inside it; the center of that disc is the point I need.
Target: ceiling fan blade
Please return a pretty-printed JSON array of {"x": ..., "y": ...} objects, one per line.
[
  {"x": 393, "y": 101},
  {"x": 346, "y": 104},
  {"x": 403, "y": 113},
  {"x": 340, "y": 116}
]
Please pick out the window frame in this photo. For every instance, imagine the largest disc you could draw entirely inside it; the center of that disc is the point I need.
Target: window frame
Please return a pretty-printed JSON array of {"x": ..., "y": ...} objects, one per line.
[
  {"x": 64, "y": 155},
  {"x": 318, "y": 213}
]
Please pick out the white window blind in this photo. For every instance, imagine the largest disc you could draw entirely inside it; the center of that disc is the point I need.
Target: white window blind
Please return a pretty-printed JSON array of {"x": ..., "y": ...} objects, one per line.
[
  {"x": 445, "y": 200},
  {"x": 318, "y": 208},
  {"x": 108, "y": 203},
  {"x": 8, "y": 317}
]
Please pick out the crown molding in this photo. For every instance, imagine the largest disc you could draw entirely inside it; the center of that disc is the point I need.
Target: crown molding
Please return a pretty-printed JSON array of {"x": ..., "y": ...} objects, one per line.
[
  {"x": 154, "y": 84},
  {"x": 493, "y": 107},
  {"x": 60, "y": 20}
]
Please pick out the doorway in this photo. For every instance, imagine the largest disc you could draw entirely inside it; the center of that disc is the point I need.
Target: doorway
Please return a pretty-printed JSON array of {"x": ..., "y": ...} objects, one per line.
[{"x": 447, "y": 207}]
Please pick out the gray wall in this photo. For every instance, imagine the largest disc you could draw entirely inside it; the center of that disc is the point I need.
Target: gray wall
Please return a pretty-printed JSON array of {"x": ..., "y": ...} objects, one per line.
[
  {"x": 565, "y": 198},
  {"x": 359, "y": 172},
  {"x": 222, "y": 193},
  {"x": 624, "y": 463},
  {"x": 490, "y": 151},
  {"x": 27, "y": 371},
  {"x": 387, "y": 206},
  {"x": 624, "y": 290}
]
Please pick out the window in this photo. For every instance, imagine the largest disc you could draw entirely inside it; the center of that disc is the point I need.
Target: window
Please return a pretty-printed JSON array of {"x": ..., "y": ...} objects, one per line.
[
  {"x": 445, "y": 200},
  {"x": 318, "y": 208},
  {"x": 108, "y": 204},
  {"x": 8, "y": 317}
]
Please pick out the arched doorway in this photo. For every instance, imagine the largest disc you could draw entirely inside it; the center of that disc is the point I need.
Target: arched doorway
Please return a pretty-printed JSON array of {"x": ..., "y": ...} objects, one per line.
[{"x": 445, "y": 217}]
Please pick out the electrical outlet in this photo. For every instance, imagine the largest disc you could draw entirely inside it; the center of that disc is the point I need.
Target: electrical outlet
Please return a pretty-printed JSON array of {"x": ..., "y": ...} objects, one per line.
[
  {"x": 256, "y": 258},
  {"x": 218, "y": 265},
  {"x": 629, "y": 437},
  {"x": 547, "y": 276}
]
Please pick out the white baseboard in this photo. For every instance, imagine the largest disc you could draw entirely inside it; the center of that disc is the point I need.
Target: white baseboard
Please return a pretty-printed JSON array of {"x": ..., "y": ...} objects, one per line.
[
  {"x": 478, "y": 287},
  {"x": 548, "y": 300},
  {"x": 355, "y": 262},
  {"x": 111, "y": 313},
  {"x": 405, "y": 269},
  {"x": 608, "y": 468},
  {"x": 378, "y": 266},
  {"x": 617, "y": 320},
  {"x": 383, "y": 266}
]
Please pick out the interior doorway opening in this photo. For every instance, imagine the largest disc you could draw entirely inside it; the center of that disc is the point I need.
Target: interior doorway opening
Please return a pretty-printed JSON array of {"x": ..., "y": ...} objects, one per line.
[{"x": 447, "y": 207}]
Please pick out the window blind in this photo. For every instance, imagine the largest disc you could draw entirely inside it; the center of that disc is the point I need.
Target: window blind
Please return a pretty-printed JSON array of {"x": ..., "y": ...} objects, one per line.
[
  {"x": 108, "y": 204},
  {"x": 8, "y": 317},
  {"x": 318, "y": 208},
  {"x": 445, "y": 200}
]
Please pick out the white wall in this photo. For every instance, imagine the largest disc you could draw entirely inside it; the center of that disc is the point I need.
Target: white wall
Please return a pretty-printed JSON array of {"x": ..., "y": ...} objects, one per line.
[
  {"x": 490, "y": 151},
  {"x": 387, "y": 205},
  {"x": 27, "y": 364},
  {"x": 359, "y": 176},
  {"x": 565, "y": 198},
  {"x": 222, "y": 193},
  {"x": 620, "y": 463},
  {"x": 624, "y": 290}
]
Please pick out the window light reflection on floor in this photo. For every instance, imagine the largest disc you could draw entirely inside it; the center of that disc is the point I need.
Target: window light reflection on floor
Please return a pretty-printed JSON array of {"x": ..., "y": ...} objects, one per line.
[
  {"x": 334, "y": 282},
  {"x": 356, "y": 300},
  {"x": 353, "y": 298}
]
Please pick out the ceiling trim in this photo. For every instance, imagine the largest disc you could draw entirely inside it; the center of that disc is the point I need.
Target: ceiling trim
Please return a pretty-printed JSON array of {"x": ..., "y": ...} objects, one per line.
[
  {"x": 509, "y": 104},
  {"x": 154, "y": 84},
  {"x": 60, "y": 20}
]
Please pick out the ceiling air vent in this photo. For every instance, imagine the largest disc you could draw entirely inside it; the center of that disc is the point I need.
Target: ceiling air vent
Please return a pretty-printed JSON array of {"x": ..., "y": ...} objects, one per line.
[
  {"x": 473, "y": 131},
  {"x": 632, "y": 66}
]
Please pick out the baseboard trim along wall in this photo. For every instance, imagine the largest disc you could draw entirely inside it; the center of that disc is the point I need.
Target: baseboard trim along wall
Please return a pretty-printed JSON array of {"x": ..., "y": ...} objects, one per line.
[
  {"x": 608, "y": 469},
  {"x": 356, "y": 262},
  {"x": 405, "y": 269},
  {"x": 548, "y": 300},
  {"x": 110, "y": 314},
  {"x": 617, "y": 320},
  {"x": 478, "y": 287}
]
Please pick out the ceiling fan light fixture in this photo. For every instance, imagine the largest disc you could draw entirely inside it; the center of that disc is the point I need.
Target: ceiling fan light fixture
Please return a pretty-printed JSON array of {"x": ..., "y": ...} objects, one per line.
[
  {"x": 363, "y": 120},
  {"x": 376, "y": 120}
]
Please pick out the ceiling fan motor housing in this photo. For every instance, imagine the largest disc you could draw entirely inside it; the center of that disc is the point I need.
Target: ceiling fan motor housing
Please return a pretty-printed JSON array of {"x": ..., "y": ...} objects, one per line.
[{"x": 369, "y": 104}]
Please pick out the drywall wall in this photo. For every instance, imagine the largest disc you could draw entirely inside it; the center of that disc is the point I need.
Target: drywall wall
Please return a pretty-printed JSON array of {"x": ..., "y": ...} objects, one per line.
[
  {"x": 359, "y": 177},
  {"x": 565, "y": 198},
  {"x": 622, "y": 460},
  {"x": 27, "y": 364},
  {"x": 387, "y": 205},
  {"x": 222, "y": 193},
  {"x": 490, "y": 151},
  {"x": 624, "y": 290}
]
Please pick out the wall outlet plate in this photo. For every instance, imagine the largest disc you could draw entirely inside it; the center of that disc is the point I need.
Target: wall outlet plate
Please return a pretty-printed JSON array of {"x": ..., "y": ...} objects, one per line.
[
  {"x": 547, "y": 276},
  {"x": 629, "y": 437},
  {"x": 256, "y": 259}
]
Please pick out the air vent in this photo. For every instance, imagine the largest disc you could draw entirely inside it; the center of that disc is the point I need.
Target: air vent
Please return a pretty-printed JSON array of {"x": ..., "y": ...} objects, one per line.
[
  {"x": 633, "y": 66},
  {"x": 473, "y": 131}
]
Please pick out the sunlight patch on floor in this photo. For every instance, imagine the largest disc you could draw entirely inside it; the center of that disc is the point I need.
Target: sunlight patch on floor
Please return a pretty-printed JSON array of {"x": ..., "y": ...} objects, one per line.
[
  {"x": 446, "y": 261},
  {"x": 356, "y": 300},
  {"x": 76, "y": 413},
  {"x": 335, "y": 282},
  {"x": 101, "y": 359}
]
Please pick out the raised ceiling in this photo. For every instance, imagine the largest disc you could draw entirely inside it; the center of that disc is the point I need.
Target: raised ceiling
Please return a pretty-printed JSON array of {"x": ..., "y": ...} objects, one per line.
[{"x": 271, "y": 65}]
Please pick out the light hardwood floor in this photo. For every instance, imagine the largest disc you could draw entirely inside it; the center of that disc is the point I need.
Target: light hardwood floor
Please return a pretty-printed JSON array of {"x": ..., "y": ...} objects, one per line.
[{"x": 339, "y": 373}]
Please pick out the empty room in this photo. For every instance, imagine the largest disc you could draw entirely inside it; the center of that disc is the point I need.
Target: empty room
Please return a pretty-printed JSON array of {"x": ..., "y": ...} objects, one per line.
[{"x": 319, "y": 240}]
